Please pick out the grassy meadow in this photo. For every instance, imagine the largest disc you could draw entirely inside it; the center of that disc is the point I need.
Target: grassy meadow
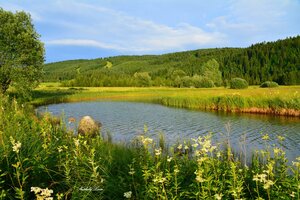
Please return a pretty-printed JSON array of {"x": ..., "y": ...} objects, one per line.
[
  {"x": 41, "y": 159},
  {"x": 284, "y": 100}
]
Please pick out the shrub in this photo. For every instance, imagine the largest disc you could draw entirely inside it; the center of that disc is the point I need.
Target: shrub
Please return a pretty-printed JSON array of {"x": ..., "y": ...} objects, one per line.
[
  {"x": 206, "y": 83},
  {"x": 187, "y": 81},
  {"x": 238, "y": 83},
  {"x": 269, "y": 84}
]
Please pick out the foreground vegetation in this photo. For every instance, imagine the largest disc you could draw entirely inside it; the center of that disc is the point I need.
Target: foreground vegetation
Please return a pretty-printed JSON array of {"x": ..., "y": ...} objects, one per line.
[
  {"x": 40, "y": 158},
  {"x": 284, "y": 100}
]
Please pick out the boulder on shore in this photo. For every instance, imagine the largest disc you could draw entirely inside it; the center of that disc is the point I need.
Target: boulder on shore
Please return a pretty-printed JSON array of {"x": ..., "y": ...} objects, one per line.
[{"x": 88, "y": 126}]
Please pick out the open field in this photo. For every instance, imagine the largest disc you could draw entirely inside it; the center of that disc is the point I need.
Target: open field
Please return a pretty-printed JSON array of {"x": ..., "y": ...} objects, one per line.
[{"x": 284, "y": 100}]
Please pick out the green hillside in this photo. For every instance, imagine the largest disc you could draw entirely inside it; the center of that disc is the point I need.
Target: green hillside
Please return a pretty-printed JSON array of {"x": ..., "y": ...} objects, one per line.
[{"x": 276, "y": 61}]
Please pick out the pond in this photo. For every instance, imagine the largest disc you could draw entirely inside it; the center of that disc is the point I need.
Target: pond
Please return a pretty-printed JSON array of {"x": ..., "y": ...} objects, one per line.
[{"x": 126, "y": 120}]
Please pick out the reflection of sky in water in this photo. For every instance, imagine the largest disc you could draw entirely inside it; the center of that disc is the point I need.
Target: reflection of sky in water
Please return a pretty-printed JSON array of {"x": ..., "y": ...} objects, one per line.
[{"x": 126, "y": 120}]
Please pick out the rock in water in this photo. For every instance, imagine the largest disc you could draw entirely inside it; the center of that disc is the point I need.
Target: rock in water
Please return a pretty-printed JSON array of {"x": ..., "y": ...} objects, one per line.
[{"x": 88, "y": 126}]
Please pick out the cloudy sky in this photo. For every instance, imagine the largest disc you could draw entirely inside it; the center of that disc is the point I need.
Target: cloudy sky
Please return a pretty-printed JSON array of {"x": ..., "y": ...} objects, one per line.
[{"x": 101, "y": 28}]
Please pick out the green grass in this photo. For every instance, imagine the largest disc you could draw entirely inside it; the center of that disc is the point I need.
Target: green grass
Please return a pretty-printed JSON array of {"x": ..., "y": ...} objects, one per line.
[
  {"x": 284, "y": 100},
  {"x": 40, "y": 153}
]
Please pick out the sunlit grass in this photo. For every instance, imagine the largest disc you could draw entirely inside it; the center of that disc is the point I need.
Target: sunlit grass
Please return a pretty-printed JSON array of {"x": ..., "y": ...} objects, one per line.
[{"x": 284, "y": 100}]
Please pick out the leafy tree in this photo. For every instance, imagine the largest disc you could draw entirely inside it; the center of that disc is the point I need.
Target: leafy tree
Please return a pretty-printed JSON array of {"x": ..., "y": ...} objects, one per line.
[
  {"x": 21, "y": 53},
  {"x": 178, "y": 73},
  {"x": 212, "y": 72},
  {"x": 143, "y": 77}
]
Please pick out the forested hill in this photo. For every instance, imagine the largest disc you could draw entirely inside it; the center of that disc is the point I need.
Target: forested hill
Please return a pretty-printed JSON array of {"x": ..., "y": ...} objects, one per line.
[{"x": 276, "y": 61}]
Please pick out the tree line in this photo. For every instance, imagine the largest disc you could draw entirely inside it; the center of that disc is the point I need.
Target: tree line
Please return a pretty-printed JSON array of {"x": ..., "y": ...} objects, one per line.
[{"x": 268, "y": 61}]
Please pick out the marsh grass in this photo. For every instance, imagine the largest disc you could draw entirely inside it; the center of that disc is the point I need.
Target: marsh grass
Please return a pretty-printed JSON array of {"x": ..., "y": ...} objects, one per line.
[
  {"x": 40, "y": 158},
  {"x": 284, "y": 100}
]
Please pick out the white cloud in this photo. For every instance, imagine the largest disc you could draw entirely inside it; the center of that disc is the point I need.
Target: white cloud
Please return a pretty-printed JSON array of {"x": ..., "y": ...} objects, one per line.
[
  {"x": 82, "y": 42},
  {"x": 82, "y": 24},
  {"x": 256, "y": 20}
]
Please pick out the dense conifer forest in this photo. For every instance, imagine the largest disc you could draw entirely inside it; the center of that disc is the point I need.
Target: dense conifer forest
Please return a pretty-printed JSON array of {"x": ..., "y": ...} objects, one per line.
[{"x": 277, "y": 61}]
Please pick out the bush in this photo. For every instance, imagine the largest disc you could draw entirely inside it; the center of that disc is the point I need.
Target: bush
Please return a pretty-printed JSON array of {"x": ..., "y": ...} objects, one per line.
[
  {"x": 269, "y": 84},
  {"x": 203, "y": 82},
  {"x": 238, "y": 83}
]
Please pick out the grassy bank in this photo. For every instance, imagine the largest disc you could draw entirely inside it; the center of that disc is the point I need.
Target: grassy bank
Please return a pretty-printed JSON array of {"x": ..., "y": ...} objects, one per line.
[
  {"x": 40, "y": 158},
  {"x": 284, "y": 100}
]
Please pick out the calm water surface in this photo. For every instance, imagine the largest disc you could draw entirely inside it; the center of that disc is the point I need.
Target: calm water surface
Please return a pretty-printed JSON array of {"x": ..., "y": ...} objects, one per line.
[{"x": 126, "y": 120}]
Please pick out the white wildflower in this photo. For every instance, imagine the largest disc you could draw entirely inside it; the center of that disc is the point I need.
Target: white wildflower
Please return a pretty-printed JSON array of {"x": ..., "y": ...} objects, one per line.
[
  {"x": 128, "y": 194},
  {"x": 179, "y": 147},
  {"x": 292, "y": 194},
  {"x": 267, "y": 184},
  {"x": 218, "y": 196},
  {"x": 195, "y": 145},
  {"x": 46, "y": 192},
  {"x": 60, "y": 149},
  {"x": 158, "y": 152},
  {"x": 169, "y": 159},
  {"x": 17, "y": 146},
  {"x": 36, "y": 190},
  {"x": 42, "y": 193}
]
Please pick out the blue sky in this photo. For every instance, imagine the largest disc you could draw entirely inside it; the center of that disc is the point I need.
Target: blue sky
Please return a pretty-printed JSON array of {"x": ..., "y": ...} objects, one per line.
[{"x": 93, "y": 29}]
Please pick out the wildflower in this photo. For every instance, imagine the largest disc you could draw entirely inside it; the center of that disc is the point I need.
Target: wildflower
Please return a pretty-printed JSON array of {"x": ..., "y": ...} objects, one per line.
[
  {"x": 292, "y": 194},
  {"x": 42, "y": 193},
  {"x": 267, "y": 184},
  {"x": 60, "y": 149},
  {"x": 218, "y": 154},
  {"x": 76, "y": 142},
  {"x": 280, "y": 138},
  {"x": 260, "y": 177},
  {"x": 157, "y": 152},
  {"x": 218, "y": 196},
  {"x": 202, "y": 159},
  {"x": 132, "y": 171},
  {"x": 36, "y": 190},
  {"x": 128, "y": 194},
  {"x": 195, "y": 145},
  {"x": 17, "y": 147},
  {"x": 186, "y": 147},
  {"x": 169, "y": 159},
  {"x": 46, "y": 192},
  {"x": 199, "y": 177},
  {"x": 266, "y": 137},
  {"x": 176, "y": 170},
  {"x": 147, "y": 141},
  {"x": 179, "y": 147},
  {"x": 276, "y": 150}
]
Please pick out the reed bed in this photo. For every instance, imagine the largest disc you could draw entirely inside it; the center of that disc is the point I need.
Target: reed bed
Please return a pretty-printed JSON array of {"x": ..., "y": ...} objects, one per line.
[{"x": 284, "y": 100}]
